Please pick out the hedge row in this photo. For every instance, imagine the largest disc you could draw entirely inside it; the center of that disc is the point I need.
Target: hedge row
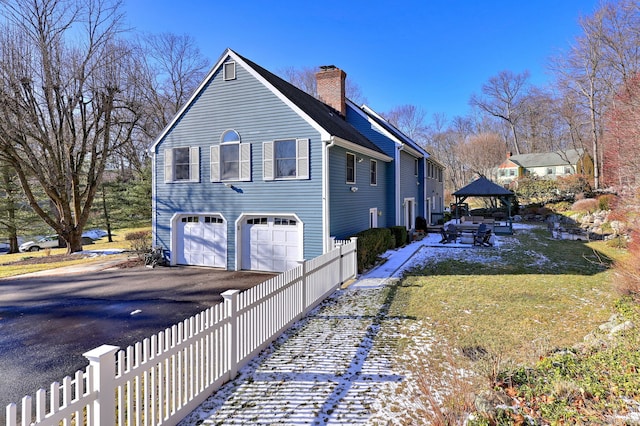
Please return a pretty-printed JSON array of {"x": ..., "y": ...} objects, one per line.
[
  {"x": 372, "y": 243},
  {"x": 400, "y": 235}
]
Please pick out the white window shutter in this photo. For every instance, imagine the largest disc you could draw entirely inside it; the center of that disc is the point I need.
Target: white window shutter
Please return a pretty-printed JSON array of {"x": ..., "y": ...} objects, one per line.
[
  {"x": 168, "y": 165},
  {"x": 194, "y": 160},
  {"x": 245, "y": 161},
  {"x": 303, "y": 158},
  {"x": 267, "y": 161},
  {"x": 215, "y": 163}
]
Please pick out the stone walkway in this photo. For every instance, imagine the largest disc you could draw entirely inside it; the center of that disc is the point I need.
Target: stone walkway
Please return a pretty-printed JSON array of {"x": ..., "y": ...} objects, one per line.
[{"x": 334, "y": 367}]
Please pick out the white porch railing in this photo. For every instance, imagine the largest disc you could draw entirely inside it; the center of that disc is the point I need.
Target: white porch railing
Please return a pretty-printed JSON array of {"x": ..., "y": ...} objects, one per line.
[{"x": 162, "y": 379}]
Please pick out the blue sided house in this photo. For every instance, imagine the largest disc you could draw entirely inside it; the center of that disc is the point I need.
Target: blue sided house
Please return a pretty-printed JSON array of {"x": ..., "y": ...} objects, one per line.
[{"x": 255, "y": 174}]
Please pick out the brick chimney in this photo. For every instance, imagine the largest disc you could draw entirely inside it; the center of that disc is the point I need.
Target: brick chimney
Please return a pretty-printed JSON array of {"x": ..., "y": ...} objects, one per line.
[{"x": 331, "y": 88}]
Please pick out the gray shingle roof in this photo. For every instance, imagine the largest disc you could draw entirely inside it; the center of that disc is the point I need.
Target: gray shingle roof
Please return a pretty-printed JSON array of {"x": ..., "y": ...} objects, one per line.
[
  {"x": 482, "y": 187},
  {"x": 321, "y": 113},
  {"x": 558, "y": 158}
]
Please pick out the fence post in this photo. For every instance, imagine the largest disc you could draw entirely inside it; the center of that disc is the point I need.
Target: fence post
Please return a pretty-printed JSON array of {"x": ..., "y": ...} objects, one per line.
[
  {"x": 103, "y": 361},
  {"x": 305, "y": 284},
  {"x": 231, "y": 311},
  {"x": 354, "y": 240}
]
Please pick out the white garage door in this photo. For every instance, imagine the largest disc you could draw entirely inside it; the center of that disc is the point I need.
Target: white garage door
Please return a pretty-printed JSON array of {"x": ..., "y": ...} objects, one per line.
[
  {"x": 202, "y": 241},
  {"x": 271, "y": 244}
]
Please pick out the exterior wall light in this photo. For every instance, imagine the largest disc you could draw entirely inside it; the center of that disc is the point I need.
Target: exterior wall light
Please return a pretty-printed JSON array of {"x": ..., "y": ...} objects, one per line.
[{"x": 354, "y": 188}]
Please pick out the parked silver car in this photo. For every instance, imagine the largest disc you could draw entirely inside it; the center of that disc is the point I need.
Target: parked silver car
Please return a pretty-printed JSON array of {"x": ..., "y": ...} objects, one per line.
[{"x": 50, "y": 241}]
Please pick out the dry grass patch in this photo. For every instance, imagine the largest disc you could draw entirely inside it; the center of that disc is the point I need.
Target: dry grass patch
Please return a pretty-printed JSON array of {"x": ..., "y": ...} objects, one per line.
[
  {"x": 24, "y": 263},
  {"x": 509, "y": 306}
]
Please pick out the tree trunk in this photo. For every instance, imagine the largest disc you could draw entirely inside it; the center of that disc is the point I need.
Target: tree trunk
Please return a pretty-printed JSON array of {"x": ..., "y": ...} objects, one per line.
[
  {"x": 596, "y": 148},
  {"x": 74, "y": 241},
  {"x": 10, "y": 206},
  {"x": 106, "y": 214}
]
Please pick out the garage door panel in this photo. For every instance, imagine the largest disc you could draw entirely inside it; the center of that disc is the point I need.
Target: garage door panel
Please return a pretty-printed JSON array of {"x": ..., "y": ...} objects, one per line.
[
  {"x": 291, "y": 237},
  {"x": 268, "y": 246},
  {"x": 263, "y": 234},
  {"x": 202, "y": 241},
  {"x": 280, "y": 251}
]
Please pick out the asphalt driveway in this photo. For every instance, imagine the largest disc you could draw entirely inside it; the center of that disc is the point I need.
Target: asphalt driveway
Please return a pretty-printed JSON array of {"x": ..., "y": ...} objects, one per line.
[{"x": 48, "y": 322}]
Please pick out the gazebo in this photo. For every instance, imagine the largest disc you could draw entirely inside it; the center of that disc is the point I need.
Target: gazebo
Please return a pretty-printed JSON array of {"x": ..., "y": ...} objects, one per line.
[{"x": 483, "y": 187}]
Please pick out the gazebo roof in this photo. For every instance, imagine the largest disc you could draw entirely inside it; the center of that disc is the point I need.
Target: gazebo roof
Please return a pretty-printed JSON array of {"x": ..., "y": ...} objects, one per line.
[{"x": 482, "y": 187}]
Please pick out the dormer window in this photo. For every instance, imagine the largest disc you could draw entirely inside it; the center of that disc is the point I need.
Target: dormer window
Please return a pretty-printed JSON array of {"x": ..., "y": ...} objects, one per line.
[{"x": 229, "y": 71}]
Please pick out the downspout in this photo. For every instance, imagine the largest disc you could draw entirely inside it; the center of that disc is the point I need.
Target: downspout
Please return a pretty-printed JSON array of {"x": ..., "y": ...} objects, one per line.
[
  {"x": 427, "y": 213},
  {"x": 154, "y": 211},
  {"x": 325, "y": 195},
  {"x": 397, "y": 191}
]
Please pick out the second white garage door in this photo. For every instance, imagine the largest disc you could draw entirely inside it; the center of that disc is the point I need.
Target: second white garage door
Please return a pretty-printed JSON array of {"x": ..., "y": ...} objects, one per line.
[
  {"x": 271, "y": 244},
  {"x": 202, "y": 241}
]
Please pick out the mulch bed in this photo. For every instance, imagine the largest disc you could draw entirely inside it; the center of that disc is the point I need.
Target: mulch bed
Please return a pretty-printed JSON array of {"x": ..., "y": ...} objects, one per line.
[{"x": 36, "y": 260}]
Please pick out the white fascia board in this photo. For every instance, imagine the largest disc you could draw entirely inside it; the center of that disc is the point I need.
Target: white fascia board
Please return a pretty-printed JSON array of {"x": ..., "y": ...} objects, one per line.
[
  {"x": 187, "y": 104},
  {"x": 381, "y": 129},
  {"x": 362, "y": 150},
  {"x": 400, "y": 138},
  {"x": 410, "y": 150},
  {"x": 324, "y": 135}
]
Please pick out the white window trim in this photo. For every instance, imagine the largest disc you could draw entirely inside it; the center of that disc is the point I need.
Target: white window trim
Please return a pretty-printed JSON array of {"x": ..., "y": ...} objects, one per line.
[
  {"x": 194, "y": 165},
  {"x": 355, "y": 174},
  {"x": 302, "y": 160},
  {"x": 415, "y": 167},
  {"x": 226, "y": 77},
  {"x": 371, "y": 163},
  {"x": 244, "y": 163},
  {"x": 373, "y": 217},
  {"x": 409, "y": 205},
  {"x": 229, "y": 131}
]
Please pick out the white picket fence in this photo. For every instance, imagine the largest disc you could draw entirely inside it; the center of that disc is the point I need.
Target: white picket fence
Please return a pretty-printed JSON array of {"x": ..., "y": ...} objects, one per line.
[{"x": 163, "y": 378}]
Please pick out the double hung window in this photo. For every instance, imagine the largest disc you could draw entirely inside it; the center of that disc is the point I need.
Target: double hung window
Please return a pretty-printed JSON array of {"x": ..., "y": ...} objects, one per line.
[
  {"x": 351, "y": 168},
  {"x": 182, "y": 164},
  {"x": 286, "y": 159}
]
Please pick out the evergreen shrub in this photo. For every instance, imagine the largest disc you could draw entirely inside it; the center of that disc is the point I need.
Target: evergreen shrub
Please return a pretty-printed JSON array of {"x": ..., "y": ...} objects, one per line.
[
  {"x": 371, "y": 244},
  {"x": 400, "y": 235}
]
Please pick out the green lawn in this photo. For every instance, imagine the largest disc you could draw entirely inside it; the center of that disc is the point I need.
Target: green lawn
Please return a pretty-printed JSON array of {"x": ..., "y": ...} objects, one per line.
[{"x": 511, "y": 306}]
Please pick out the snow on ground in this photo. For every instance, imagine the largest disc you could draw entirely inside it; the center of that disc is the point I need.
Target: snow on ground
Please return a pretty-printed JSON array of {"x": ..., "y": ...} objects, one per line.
[{"x": 342, "y": 364}]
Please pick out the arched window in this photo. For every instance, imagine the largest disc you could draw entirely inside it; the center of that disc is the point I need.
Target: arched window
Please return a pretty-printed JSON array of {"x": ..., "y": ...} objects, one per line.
[
  {"x": 230, "y": 161},
  {"x": 230, "y": 136}
]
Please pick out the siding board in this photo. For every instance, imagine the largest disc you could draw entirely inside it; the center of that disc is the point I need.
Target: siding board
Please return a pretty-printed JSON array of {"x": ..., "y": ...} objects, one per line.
[
  {"x": 349, "y": 211},
  {"x": 248, "y": 107}
]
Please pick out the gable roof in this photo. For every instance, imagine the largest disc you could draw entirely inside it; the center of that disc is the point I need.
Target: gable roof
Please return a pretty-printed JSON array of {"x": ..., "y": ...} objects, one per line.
[
  {"x": 482, "y": 187},
  {"x": 317, "y": 113},
  {"x": 557, "y": 158},
  {"x": 393, "y": 130}
]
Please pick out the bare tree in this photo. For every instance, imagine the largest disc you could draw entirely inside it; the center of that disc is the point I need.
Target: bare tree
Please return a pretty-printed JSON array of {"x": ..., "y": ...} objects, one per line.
[
  {"x": 65, "y": 103},
  {"x": 167, "y": 69},
  {"x": 305, "y": 79},
  {"x": 442, "y": 141},
  {"x": 503, "y": 99},
  {"x": 482, "y": 153},
  {"x": 582, "y": 71},
  {"x": 410, "y": 119}
]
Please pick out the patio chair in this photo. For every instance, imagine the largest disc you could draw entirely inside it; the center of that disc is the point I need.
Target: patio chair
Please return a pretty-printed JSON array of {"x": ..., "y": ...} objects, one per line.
[
  {"x": 449, "y": 234},
  {"x": 482, "y": 237}
]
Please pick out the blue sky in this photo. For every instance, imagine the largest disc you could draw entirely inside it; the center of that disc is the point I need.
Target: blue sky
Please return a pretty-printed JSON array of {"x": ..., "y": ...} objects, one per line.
[{"x": 433, "y": 54}]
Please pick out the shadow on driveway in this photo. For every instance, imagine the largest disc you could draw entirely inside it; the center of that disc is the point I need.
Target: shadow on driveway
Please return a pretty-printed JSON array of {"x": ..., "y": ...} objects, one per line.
[{"x": 47, "y": 323}]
